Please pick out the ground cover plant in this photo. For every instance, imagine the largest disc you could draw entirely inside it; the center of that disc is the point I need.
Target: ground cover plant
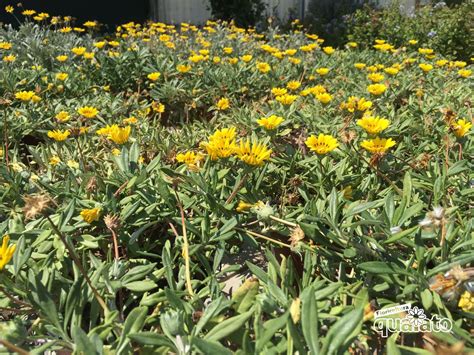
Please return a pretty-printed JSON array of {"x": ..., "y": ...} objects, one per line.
[{"x": 174, "y": 189}]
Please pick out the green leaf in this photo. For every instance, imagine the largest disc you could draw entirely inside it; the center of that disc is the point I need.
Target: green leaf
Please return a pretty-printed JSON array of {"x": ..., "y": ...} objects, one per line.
[
  {"x": 228, "y": 326},
  {"x": 309, "y": 319}
]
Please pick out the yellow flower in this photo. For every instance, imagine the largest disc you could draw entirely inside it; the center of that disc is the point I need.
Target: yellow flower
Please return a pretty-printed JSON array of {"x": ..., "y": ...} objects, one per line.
[
  {"x": 191, "y": 159},
  {"x": 271, "y": 122},
  {"x": 9, "y": 58},
  {"x": 263, "y": 67},
  {"x": 324, "y": 97},
  {"x": 286, "y": 99},
  {"x": 221, "y": 144},
  {"x": 373, "y": 125},
  {"x": 376, "y": 89},
  {"x": 100, "y": 44},
  {"x": 392, "y": 71},
  {"x": 322, "y": 71},
  {"x": 244, "y": 206},
  {"x": 182, "y": 68},
  {"x": 466, "y": 301},
  {"x": 28, "y": 12},
  {"x": 293, "y": 85},
  {"x": 9, "y": 9},
  {"x": 352, "y": 44},
  {"x": 252, "y": 152},
  {"x": 61, "y": 58},
  {"x": 223, "y": 104},
  {"x": 378, "y": 145},
  {"x": 216, "y": 60},
  {"x": 90, "y": 24},
  {"x": 328, "y": 50},
  {"x": 425, "y": 67},
  {"x": 62, "y": 116},
  {"x": 5, "y": 45},
  {"x": 154, "y": 76},
  {"x": 88, "y": 111},
  {"x": 73, "y": 164},
  {"x": 130, "y": 120},
  {"x": 360, "y": 65},
  {"x": 279, "y": 91},
  {"x": 78, "y": 50},
  {"x": 375, "y": 77},
  {"x": 58, "y": 135},
  {"x": 6, "y": 251},
  {"x": 66, "y": 29},
  {"x": 355, "y": 103},
  {"x": 441, "y": 62},
  {"x": 461, "y": 127},
  {"x": 89, "y": 55},
  {"x": 116, "y": 152},
  {"x": 54, "y": 160},
  {"x": 426, "y": 51},
  {"x": 465, "y": 73},
  {"x": 119, "y": 135},
  {"x": 246, "y": 58},
  {"x": 459, "y": 64},
  {"x": 24, "y": 95},
  {"x": 412, "y": 41},
  {"x": 62, "y": 76},
  {"x": 294, "y": 60},
  {"x": 321, "y": 144},
  {"x": 228, "y": 50},
  {"x": 90, "y": 215}
]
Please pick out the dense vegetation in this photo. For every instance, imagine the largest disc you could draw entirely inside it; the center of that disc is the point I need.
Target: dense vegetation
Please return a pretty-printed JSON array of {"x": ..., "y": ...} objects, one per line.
[{"x": 215, "y": 190}]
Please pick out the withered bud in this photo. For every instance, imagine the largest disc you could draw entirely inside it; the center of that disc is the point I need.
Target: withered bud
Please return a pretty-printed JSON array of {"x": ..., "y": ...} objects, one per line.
[
  {"x": 296, "y": 236},
  {"x": 35, "y": 205},
  {"x": 91, "y": 184},
  {"x": 112, "y": 222}
]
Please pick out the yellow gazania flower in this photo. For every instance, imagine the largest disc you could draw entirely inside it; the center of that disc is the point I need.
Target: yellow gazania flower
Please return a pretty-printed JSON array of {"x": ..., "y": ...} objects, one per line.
[
  {"x": 461, "y": 128},
  {"x": 191, "y": 159},
  {"x": 182, "y": 68},
  {"x": 62, "y": 116},
  {"x": 28, "y": 12},
  {"x": 88, "y": 111},
  {"x": 441, "y": 62},
  {"x": 9, "y": 9},
  {"x": 9, "y": 58},
  {"x": 425, "y": 67},
  {"x": 279, "y": 91},
  {"x": 100, "y": 44},
  {"x": 24, "y": 95},
  {"x": 286, "y": 99},
  {"x": 321, "y": 144},
  {"x": 223, "y": 104},
  {"x": 91, "y": 215},
  {"x": 228, "y": 50},
  {"x": 328, "y": 50},
  {"x": 6, "y": 251},
  {"x": 466, "y": 301},
  {"x": 360, "y": 65},
  {"x": 89, "y": 55},
  {"x": 216, "y": 60},
  {"x": 154, "y": 76},
  {"x": 425, "y": 51},
  {"x": 352, "y": 44},
  {"x": 375, "y": 77},
  {"x": 58, "y": 135},
  {"x": 221, "y": 144},
  {"x": 378, "y": 145},
  {"x": 252, "y": 152},
  {"x": 324, "y": 97},
  {"x": 318, "y": 89},
  {"x": 294, "y": 60},
  {"x": 244, "y": 206},
  {"x": 373, "y": 125},
  {"x": 263, "y": 67},
  {"x": 130, "y": 120},
  {"x": 392, "y": 70},
  {"x": 62, "y": 58},
  {"x": 5, "y": 45},
  {"x": 104, "y": 131},
  {"x": 271, "y": 122},
  {"x": 72, "y": 164},
  {"x": 246, "y": 58},
  {"x": 78, "y": 50},
  {"x": 116, "y": 152},
  {"x": 412, "y": 41},
  {"x": 376, "y": 89},
  {"x": 54, "y": 160},
  {"x": 293, "y": 85},
  {"x": 459, "y": 64},
  {"x": 465, "y": 73},
  {"x": 90, "y": 24},
  {"x": 322, "y": 71},
  {"x": 66, "y": 29},
  {"x": 62, "y": 76},
  {"x": 119, "y": 135}
]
